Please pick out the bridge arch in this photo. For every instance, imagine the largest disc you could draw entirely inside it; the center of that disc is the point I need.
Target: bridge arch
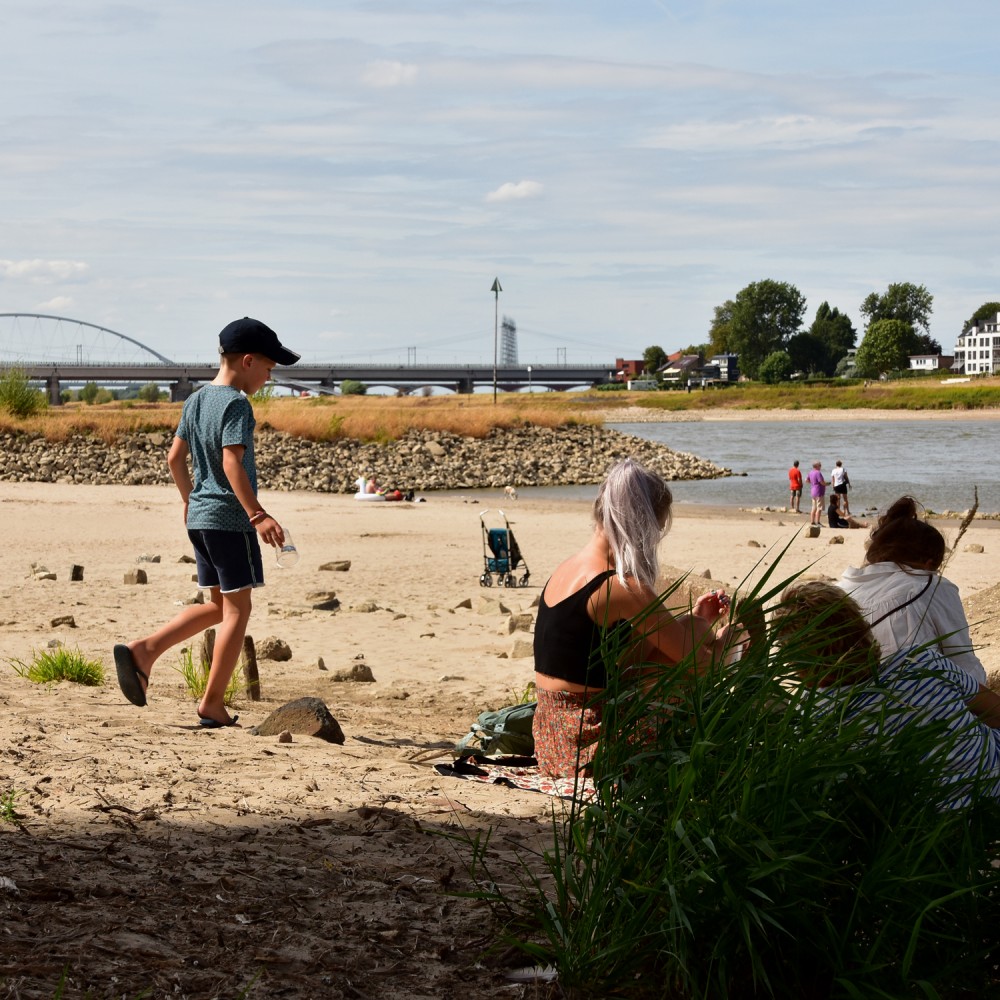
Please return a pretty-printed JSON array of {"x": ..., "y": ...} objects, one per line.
[{"x": 80, "y": 323}]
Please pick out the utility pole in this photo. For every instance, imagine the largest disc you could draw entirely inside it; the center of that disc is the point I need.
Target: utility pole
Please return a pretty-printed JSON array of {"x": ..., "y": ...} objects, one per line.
[{"x": 496, "y": 290}]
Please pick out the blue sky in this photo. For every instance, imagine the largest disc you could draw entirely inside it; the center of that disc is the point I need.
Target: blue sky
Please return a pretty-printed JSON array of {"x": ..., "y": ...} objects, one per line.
[{"x": 357, "y": 173}]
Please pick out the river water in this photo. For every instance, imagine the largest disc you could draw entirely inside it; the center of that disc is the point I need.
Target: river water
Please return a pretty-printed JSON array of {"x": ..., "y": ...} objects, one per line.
[{"x": 937, "y": 461}]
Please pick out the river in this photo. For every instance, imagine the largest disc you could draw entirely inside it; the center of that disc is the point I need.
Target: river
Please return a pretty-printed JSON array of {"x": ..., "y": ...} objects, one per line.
[{"x": 937, "y": 461}]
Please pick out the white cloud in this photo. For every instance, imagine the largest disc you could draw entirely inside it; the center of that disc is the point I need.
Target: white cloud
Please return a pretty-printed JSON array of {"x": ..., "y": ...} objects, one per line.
[
  {"x": 389, "y": 73},
  {"x": 55, "y": 304},
  {"x": 41, "y": 271},
  {"x": 515, "y": 192}
]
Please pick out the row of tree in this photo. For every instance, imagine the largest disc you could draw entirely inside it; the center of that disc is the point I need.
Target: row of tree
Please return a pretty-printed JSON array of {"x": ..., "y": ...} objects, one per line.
[{"x": 763, "y": 324}]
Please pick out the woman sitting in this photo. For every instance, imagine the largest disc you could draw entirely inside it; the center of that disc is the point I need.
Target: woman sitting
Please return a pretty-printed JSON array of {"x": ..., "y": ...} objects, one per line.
[
  {"x": 603, "y": 596},
  {"x": 842, "y": 658},
  {"x": 904, "y": 597}
]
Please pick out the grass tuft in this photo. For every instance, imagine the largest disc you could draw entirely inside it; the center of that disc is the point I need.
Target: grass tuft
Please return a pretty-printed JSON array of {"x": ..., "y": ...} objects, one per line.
[
  {"x": 194, "y": 673},
  {"x": 49, "y": 666}
]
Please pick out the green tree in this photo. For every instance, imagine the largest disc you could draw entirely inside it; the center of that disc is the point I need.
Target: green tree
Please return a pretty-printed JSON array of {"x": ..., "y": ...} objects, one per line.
[
  {"x": 809, "y": 354},
  {"x": 835, "y": 330},
  {"x": 910, "y": 303},
  {"x": 89, "y": 393},
  {"x": 776, "y": 367},
  {"x": 653, "y": 357},
  {"x": 352, "y": 387},
  {"x": 149, "y": 393},
  {"x": 987, "y": 311},
  {"x": 765, "y": 315},
  {"x": 718, "y": 332},
  {"x": 886, "y": 347}
]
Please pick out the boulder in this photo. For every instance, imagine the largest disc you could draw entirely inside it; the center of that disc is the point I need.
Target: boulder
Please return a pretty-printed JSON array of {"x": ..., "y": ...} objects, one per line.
[
  {"x": 323, "y": 600},
  {"x": 136, "y": 576},
  {"x": 358, "y": 672},
  {"x": 337, "y": 566},
  {"x": 306, "y": 716}
]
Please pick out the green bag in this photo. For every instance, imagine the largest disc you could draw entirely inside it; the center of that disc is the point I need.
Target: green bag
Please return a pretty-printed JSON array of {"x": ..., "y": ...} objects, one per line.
[{"x": 506, "y": 731}]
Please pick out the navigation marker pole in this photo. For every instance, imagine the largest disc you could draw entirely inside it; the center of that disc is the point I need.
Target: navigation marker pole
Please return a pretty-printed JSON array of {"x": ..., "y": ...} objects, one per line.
[{"x": 496, "y": 290}]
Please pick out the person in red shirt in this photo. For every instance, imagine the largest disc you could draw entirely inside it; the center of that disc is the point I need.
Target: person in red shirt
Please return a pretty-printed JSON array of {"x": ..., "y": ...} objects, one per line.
[{"x": 795, "y": 485}]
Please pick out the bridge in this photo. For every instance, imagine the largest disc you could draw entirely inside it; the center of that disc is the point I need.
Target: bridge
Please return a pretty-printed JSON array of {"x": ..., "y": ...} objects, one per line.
[{"x": 182, "y": 378}]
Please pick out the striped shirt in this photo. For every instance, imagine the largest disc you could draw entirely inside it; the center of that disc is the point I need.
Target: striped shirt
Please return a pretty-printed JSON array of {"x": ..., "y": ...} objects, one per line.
[{"x": 923, "y": 687}]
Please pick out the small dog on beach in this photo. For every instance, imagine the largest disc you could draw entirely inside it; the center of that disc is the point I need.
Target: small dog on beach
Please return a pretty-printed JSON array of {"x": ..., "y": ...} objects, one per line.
[{"x": 510, "y": 492}]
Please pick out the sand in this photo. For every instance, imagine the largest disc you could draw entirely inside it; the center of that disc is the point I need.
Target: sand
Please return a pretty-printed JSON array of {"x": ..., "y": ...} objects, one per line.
[{"x": 149, "y": 854}]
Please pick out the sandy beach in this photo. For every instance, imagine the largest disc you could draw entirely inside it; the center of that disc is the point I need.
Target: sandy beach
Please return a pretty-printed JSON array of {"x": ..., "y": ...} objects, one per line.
[{"x": 148, "y": 854}]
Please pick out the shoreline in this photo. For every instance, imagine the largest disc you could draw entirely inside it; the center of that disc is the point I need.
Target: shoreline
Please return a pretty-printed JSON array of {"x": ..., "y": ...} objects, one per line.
[{"x": 643, "y": 415}]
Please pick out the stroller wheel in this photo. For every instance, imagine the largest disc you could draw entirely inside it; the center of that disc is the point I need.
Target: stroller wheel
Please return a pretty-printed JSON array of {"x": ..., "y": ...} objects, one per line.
[
  {"x": 509, "y": 581},
  {"x": 486, "y": 580},
  {"x": 524, "y": 580}
]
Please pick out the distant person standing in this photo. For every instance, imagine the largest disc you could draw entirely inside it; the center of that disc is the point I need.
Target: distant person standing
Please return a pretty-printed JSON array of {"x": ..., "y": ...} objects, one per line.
[
  {"x": 841, "y": 483},
  {"x": 795, "y": 486},
  {"x": 817, "y": 490}
]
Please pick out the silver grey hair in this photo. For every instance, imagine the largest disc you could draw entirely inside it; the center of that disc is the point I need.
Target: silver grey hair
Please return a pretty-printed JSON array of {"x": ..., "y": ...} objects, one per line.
[{"x": 631, "y": 506}]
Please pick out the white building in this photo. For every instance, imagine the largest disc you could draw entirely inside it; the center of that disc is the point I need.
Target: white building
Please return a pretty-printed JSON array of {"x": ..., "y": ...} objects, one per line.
[
  {"x": 977, "y": 351},
  {"x": 930, "y": 362}
]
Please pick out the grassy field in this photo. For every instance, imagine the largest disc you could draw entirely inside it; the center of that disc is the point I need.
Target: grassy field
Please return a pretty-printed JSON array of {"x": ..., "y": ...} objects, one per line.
[{"x": 386, "y": 418}]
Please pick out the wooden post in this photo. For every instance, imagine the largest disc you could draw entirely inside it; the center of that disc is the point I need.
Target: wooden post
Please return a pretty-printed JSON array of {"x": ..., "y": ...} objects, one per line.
[
  {"x": 250, "y": 668},
  {"x": 207, "y": 649}
]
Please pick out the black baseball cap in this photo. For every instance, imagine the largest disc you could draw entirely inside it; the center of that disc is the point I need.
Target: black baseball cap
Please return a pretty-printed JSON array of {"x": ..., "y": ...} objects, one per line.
[{"x": 250, "y": 336}]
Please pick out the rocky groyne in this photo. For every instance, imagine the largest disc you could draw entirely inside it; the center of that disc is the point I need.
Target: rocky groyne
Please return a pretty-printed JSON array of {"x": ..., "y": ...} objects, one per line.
[{"x": 422, "y": 460}]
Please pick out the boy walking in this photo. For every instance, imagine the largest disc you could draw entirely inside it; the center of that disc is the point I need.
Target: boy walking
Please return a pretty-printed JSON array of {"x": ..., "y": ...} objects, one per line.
[{"x": 222, "y": 515}]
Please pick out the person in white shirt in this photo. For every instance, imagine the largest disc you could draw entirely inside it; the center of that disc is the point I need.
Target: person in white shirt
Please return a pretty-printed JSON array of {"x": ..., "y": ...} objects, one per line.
[
  {"x": 902, "y": 594},
  {"x": 841, "y": 483}
]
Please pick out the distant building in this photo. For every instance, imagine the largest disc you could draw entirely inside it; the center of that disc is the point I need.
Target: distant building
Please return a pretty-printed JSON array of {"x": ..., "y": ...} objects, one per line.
[
  {"x": 930, "y": 362},
  {"x": 728, "y": 368},
  {"x": 627, "y": 370},
  {"x": 678, "y": 365},
  {"x": 977, "y": 351}
]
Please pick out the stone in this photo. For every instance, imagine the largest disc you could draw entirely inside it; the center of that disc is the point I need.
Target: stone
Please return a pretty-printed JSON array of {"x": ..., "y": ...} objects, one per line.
[
  {"x": 366, "y": 607},
  {"x": 973, "y": 547},
  {"x": 706, "y": 574},
  {"x": 76, "y": 574},
  {"x": 196, "y": 598},
  {"x": 46, "y": 575},
  {"x": 273, "y": 648},
  {"x": 754, "y": 544},
  {"x": 519, "y": 623},
  {"x": 522, "y": 649},
  {"x": 62, "y": 620},
  {"x": 467, "y": 603},
  {"x": 435, "y": 449},
  {"x": 323, "y": 600},
  {"x": 814, "y": 531},
  {"x": 836, "y": 540},
  {"x": 54, "y": 644},
  {"x": 186, "y": 559},
  {"x": 305, "y": 716},
  {"x": 337, "y": 566},
  {"x": 284, "y": 736},
  {"x": 320, "y": 663},
  {"x": 359, "y": 673},
  {"x": 136, "y": 576},
  {"x": 147, "y": 558}
]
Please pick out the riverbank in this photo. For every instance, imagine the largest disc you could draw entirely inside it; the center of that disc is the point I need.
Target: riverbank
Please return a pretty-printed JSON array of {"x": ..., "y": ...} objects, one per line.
[
  {"x": 142, "y": 853},
  {"x": 642, "y": 415}
]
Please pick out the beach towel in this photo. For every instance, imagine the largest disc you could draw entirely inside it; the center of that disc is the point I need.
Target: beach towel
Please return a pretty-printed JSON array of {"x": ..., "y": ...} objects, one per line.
[{"x": 516, "y": 772}]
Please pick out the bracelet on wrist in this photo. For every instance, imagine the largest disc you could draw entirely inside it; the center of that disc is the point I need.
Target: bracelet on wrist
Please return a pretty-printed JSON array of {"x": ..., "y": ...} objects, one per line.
[{"x": 258, "y": 517}]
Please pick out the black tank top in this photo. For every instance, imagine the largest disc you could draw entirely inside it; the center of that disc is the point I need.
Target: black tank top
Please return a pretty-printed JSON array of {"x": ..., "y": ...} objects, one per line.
[{"x": 568, "y": 642}]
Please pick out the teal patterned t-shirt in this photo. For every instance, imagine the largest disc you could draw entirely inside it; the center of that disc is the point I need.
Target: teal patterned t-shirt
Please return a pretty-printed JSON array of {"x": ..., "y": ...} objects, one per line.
[{"x": 214, "y": 417}]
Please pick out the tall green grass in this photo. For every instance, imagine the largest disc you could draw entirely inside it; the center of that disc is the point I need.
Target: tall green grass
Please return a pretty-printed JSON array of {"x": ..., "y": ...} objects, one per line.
[{"x": 750, "y": 846}]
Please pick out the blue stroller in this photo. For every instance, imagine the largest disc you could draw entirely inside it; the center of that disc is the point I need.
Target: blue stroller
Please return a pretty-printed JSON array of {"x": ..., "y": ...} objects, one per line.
[{"x": 501, "y": 555}]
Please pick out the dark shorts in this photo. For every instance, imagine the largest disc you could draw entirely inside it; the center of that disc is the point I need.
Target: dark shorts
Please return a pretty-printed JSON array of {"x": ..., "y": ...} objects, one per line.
[
  {"x": 842, "y": 488},
  {"x": 229, "y": 560},
  {"x": 796, "y": 492}
]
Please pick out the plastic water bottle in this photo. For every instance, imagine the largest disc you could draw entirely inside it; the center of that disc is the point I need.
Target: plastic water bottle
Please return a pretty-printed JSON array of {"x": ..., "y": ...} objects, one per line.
[{"x": 286, "y": 555}]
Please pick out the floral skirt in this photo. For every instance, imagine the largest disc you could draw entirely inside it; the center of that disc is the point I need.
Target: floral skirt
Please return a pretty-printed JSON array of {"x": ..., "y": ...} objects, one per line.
[{"x": 565, "y": 728}]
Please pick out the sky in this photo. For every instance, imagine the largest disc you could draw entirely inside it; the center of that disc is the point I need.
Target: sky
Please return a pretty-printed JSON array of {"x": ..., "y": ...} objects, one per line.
[{"x": 357, "y": 174}]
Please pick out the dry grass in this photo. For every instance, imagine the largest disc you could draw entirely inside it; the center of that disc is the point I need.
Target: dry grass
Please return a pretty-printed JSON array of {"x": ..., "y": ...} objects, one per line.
[{"x": 363, "y": 418}]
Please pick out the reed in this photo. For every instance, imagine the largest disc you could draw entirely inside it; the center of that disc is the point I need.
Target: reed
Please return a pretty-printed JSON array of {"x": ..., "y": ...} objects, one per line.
[{"x": 750, "y": 846}]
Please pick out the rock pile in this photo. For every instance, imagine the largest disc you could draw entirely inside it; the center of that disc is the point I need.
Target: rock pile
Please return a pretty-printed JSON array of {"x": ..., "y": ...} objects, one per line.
[{"x": 422, "y": 460}]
